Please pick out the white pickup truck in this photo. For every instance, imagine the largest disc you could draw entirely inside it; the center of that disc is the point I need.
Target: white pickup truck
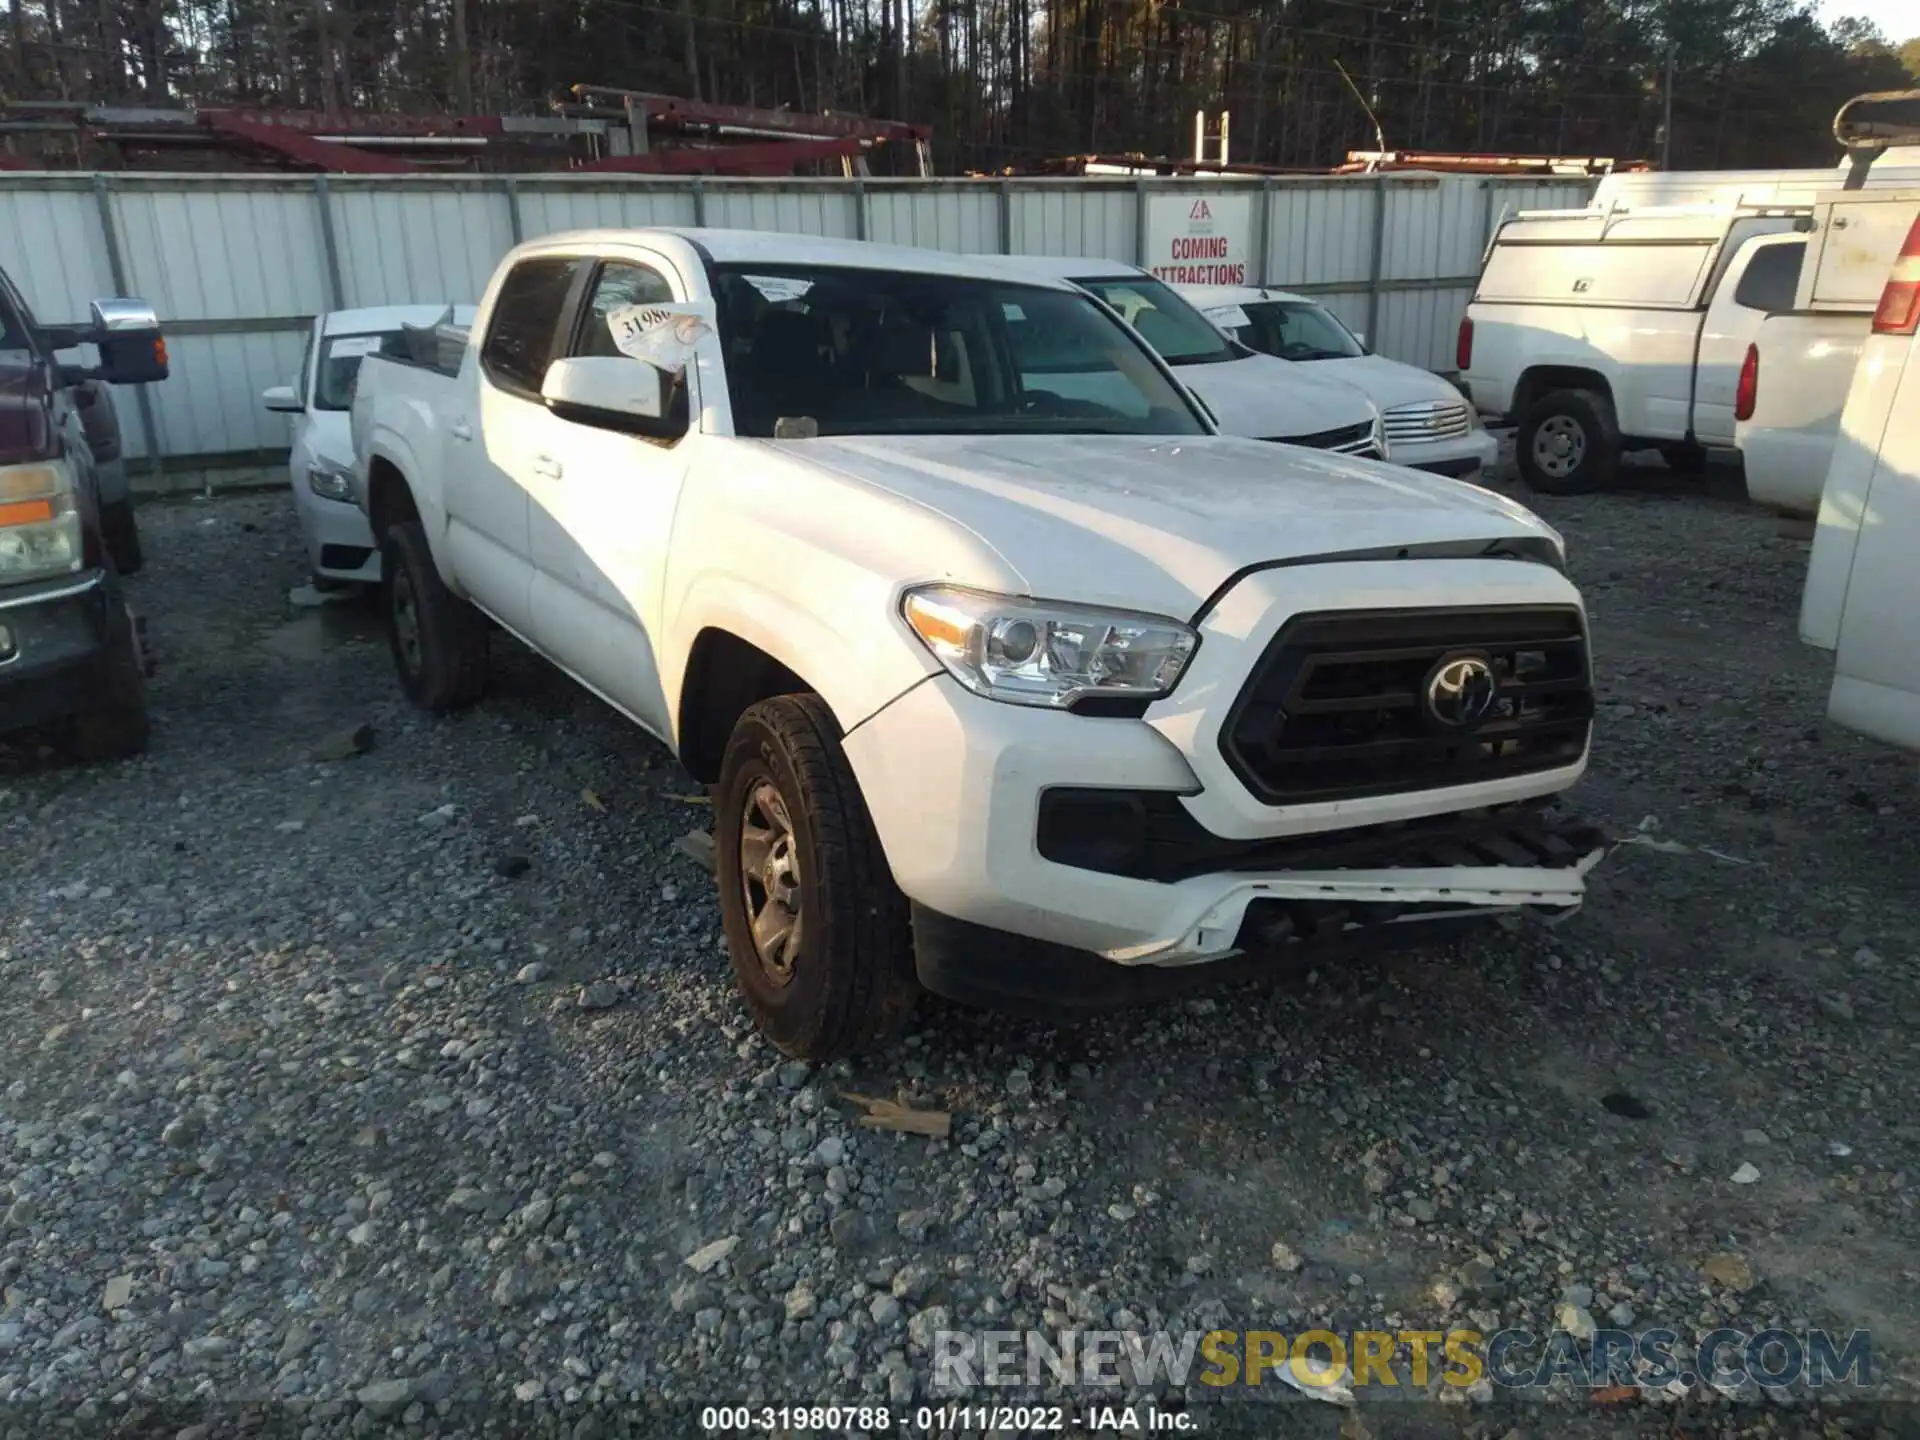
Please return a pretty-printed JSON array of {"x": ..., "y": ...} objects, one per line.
[
  {"x": 1600, "y": 331},
  {"x": 1800, "y": 365},
  {"x": 1029, "y": 698}
]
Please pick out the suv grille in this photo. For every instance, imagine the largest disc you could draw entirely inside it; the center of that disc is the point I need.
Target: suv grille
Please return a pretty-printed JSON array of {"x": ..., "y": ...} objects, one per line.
[
  {"x": 1425, "y": 422},
  {"x": 1361, "y": 703},
  {"x": 1348, "y": 440}
]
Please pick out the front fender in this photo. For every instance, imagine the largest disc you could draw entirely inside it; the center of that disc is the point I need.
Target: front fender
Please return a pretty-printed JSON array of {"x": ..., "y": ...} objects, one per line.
[{"x": 856, "y": 655}]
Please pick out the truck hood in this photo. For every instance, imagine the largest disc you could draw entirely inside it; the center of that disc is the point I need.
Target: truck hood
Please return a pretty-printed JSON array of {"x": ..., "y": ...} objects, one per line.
[
  {"x": 1161, "y": 523},
  {"x": 1271, "y": 399},
  {"x": 25, "y": 433}
]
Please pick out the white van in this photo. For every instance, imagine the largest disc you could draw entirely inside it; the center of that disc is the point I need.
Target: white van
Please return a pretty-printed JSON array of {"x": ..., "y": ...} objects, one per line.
[
  {"x": 1800, "y": 366},
  {"x": 1636, "y": 190},
  {"x": 1429, "y": 423},
  {"x": 1863, "y": 585},
  {"x": 1596, "y": 332},
  {"x": 1249, "y": 393}
]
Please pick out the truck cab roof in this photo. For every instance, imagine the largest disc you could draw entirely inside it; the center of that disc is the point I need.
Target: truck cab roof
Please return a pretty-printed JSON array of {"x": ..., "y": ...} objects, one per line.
[{"x": 772, "y": 247}]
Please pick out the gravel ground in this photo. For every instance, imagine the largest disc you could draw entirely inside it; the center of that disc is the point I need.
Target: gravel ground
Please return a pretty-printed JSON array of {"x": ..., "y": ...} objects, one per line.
[{"x": 408, "y": 1083}]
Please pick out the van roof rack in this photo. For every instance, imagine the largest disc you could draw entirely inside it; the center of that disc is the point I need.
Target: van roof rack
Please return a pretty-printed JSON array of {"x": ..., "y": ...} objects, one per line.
[{"x": 1870, "y": 124}]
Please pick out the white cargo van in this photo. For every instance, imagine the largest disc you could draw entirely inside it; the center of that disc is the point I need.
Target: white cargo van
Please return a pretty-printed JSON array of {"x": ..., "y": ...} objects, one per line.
[
  {"x": 1601, "y": 331},
  {"x": 1800, "y": 365},
  {"x": 1638, "y": 189},
  {"x": 1863, "y": 585}
]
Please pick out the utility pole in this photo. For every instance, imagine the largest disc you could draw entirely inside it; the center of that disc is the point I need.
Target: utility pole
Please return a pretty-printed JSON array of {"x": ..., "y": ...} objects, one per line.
[
  {"x": 462, "y": 61},
  {"x": 1666, "y": 125}
]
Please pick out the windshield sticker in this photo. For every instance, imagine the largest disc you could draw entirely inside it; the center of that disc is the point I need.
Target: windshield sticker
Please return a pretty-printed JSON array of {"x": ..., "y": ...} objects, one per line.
[
  {"x": 779, "y": 288},
  {"x": 662, "y": 335},
  {"x": 1228, "y": 317},
  {"x": 1011, "y": 311},
  {"x": 348, "y": 345}
]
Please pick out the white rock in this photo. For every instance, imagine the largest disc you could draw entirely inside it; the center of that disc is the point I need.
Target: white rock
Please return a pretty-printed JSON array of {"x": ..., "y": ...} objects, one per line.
[
  {"x": 710, "y": 1255},
  {"x": 1746, "y": 1174}
]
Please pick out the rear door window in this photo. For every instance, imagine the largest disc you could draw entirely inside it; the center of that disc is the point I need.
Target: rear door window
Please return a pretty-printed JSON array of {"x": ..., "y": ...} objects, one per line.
[{"x": 523, "y": 335}]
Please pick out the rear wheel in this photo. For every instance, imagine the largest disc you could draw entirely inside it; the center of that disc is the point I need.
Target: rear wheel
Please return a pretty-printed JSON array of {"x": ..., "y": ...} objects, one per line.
[
  {"x": 816, "y": 928},
  {"x": 439, "y": 640},
  {"x": 1568, "y": 442},
  {"x": 121, "y": 534},
  {"x": 114, "y": 724}
]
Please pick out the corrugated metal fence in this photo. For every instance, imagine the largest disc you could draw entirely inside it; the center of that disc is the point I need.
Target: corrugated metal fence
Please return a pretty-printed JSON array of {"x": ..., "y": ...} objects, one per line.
[{"x": 237, "y": 266}]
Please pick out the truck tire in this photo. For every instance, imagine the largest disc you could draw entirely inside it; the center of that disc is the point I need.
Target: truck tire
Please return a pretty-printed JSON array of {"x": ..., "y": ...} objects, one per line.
[
  {"x": 1568, "y": 442},
  {"x": 439, "y": 640},
  {"x": 114, "y": 725},
  {"x": 817, "y": 930},
  {"x": 121, "y": 534}
]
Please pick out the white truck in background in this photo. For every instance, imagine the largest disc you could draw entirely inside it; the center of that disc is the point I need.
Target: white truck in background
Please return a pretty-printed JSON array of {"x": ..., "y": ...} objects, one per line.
[
  {"x": 1012, "y": 678},
  {"x": 1595, "y": 332},
  {"x": 1799, "y": 368}
]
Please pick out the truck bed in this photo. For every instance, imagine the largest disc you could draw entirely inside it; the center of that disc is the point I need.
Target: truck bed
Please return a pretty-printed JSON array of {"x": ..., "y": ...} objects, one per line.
[{"x": 410, "y": 391}]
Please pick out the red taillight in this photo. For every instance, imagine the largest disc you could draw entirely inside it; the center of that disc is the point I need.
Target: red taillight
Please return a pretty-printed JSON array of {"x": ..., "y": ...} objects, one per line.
[
  {"x": 1899, "y": 312},
  {"x": 1463, "y": 347},
  {"x": 1749, "y": 386}
]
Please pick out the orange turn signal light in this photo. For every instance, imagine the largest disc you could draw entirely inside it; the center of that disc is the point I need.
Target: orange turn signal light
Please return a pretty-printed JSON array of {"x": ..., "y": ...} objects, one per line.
[{"x": 26, "y": 512}]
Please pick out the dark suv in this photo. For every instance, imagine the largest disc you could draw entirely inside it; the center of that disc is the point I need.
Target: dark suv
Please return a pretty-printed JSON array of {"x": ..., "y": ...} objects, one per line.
[{"x": 69, "y": 645}]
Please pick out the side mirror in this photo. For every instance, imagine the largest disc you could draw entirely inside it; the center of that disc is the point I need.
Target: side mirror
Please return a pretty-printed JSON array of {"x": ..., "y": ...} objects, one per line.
[
  {"x": 612, "y": 392},
  {"x": 281, "y": 398},
  {"x": 127, "y": 334}
]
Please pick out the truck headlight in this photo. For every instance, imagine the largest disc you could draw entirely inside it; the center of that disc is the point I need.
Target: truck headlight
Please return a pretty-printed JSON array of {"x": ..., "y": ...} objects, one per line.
[
  {"x": 39, "y": 525},
  {"x": 1041, "y": 652},
  {"x": 330, "y": 483}
]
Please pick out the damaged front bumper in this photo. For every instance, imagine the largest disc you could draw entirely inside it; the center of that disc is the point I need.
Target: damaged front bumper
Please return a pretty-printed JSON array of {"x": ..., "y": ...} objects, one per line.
[
  {"x": 1393, "y": 887},
  {"x": 1511, "y": 859}
]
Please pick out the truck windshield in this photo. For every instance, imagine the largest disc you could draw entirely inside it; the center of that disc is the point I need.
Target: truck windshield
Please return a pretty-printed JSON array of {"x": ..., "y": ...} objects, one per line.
[
  {"x": 1295, "y": 330},
  {"x": 841, "y": 351},
  {"x": 1181, "y": 334}
]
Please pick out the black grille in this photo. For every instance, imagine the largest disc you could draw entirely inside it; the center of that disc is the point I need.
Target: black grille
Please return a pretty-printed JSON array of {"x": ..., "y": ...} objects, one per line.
[
  {"x": 1151, "y": 835},
  {"x": 1337, "y": 708},
  {"x": 1329, "y": 439}
]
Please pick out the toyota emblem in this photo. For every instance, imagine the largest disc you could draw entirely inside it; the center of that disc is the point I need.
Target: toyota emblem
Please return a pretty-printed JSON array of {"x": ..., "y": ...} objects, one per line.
[{"x": 1461, "y": 691}]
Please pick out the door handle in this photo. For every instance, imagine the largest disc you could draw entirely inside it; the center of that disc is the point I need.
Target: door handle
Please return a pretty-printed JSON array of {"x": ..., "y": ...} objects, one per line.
[
  {"x": 546, "y": 467},
  {"x": 460, "y": 430}
]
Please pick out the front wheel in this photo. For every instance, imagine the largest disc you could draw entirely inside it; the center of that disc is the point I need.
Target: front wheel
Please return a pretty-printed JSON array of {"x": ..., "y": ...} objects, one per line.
[
  {"x": 120, "y": 532},
  {"x": 113, "y": 724},
  {"x": 816, "y": 929},
  {"x": 439, "y": 640},
  {"x": 1568, "y": 442}
]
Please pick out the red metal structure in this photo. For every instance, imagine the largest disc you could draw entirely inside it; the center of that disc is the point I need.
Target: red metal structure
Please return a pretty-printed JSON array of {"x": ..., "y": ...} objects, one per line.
[{"x": 614, "y": 130}]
